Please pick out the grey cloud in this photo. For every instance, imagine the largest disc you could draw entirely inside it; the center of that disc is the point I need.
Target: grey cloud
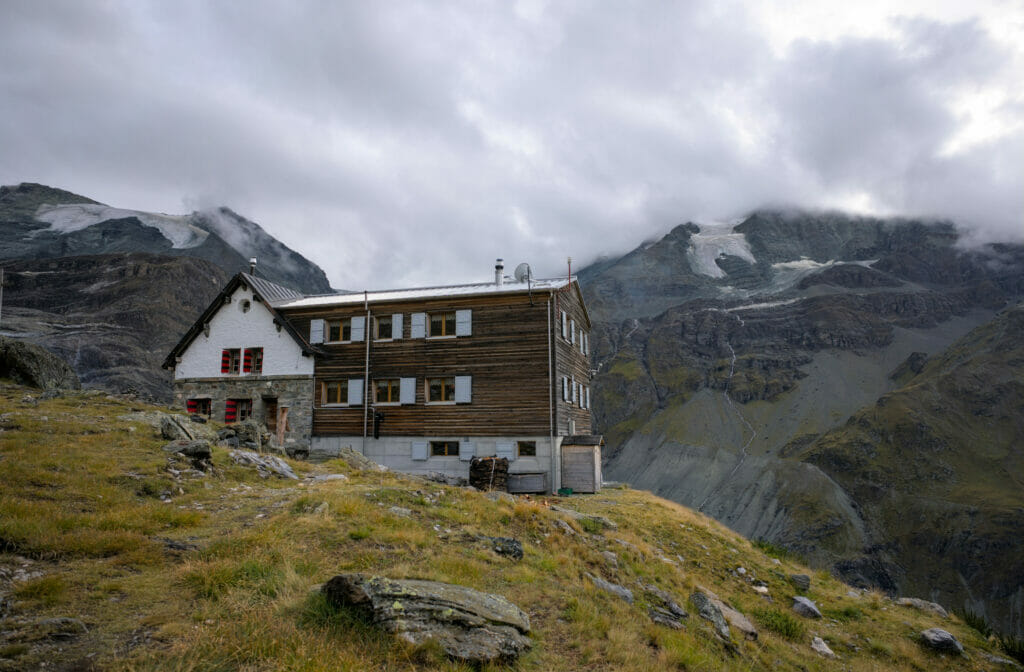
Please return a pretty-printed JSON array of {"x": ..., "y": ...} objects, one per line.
[{"x": 410, "y": 142}]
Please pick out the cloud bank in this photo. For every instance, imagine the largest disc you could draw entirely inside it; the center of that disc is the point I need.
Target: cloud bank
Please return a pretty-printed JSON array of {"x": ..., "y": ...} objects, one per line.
[{"x": 411, "y": 143}]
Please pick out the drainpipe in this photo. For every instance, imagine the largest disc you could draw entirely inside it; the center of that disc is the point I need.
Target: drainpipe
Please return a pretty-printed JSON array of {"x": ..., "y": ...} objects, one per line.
[{"x": 366, "y": 368}]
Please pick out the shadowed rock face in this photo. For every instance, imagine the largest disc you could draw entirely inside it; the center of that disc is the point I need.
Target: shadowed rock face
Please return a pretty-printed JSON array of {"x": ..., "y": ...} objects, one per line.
[
  {"x": 29, "y": 364},
  {"x": 759, "y": 396},
  {"x": 469, "y": 625}
]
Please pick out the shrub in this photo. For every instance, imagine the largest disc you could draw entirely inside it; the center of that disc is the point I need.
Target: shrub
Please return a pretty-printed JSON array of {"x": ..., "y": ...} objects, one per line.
[
  {"x": 976, "y": 621},
  {"x": 1013, "y": 646},
  {"x": 47, "y": 589}
]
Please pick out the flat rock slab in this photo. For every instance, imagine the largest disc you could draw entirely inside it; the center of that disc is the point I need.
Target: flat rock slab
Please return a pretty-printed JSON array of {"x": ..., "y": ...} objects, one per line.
[
  {"x": 940, "y": 640},
  {"x": 266, "y": 465},
  {"x": 709, "y": 610},
  {"x": 819, "y": 645},
  {"x": 732, "y": 617},
  {"x": 469, "y": 625},
  {"x": 923, "y": 605},
  {"x": 801, "y": 582},
  {"x": 805, "y": 607},
  {"x": 613, "y": 588},
  {"x": 604, "y": 522}
]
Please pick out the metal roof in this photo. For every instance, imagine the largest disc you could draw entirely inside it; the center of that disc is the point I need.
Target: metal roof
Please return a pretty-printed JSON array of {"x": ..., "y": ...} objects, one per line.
[
  {"x": 390, "y": 295},
  {"x": 270, "y": 292}
]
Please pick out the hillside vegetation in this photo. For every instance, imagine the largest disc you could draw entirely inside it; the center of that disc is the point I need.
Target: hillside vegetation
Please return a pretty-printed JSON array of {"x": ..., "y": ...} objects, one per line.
[{"x": 152, "y": 570}]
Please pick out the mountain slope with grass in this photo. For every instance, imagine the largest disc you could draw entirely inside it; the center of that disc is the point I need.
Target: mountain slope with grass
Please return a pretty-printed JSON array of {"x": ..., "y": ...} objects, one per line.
[{"x": 114, "y": 556}]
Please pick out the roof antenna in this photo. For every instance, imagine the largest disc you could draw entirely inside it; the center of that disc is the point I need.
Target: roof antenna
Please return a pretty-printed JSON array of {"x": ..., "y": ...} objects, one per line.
[{"x": 252, "y": 265}]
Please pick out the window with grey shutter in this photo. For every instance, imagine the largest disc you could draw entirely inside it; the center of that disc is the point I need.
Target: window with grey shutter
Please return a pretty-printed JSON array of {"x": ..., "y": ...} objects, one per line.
[
  {"x": 572, "y": 331},
  {"x": 396, "y": 326},
  {"x": 419, "y": 450},
  {"x": 467, "y": 449},
  {"x": 505, "y": 449},
  {"x": 316, "y": 331},
  {"x": 355, "y": 391},
  {"x": 588, "y": 397},
  {"x": 407, "y": 393},
  {"x": 565, "y": 325},
  {"x": 463, "y": 322},
  {"x": 463, "y": 389},
  {"x": 572, "y": 389},
  {"x": 358, "y": 328},
  {"x": 418, "y": 325},
  {"x": 565, "y": 388}
]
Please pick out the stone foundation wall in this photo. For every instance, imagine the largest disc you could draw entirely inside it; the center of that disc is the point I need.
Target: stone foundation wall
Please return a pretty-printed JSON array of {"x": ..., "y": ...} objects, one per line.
[{"x": 295, "y": 392}]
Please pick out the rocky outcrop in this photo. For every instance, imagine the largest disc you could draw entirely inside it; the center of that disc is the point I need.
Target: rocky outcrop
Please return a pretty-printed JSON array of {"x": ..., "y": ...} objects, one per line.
[
  {"x": 469, "y": 625},
  {"x": 940, "y": 640},
  {"x": 266, "y": 465},
  {"x": 32, "y": 365}
]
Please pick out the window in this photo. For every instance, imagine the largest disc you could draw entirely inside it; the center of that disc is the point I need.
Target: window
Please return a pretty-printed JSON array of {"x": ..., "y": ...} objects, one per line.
[
  {"x": 252, "y": 362},
  {"x": 440, "y": 390},
  {"x": 339, "y": 330},
  {"x": 334, "y": 393},
  {"x": 565, "y": 326},
  {"x": 387, "y": 391},
  {"x": 237, "y": 410},
  {"x": 384, "y": 325},
  {"x": 230, "y": 360},
  {"x": 526, "y": 448},
  {"x": 442, "y": 324},
  {"x": 444, "y": 448},
  {"x": 565, "y": 388},
  {"x": 198, "y": 407}
]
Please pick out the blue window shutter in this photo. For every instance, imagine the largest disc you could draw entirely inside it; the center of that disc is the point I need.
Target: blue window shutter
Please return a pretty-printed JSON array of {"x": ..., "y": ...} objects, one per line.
[
  {"x": 355, "y": 391},
  {"x": 505, "y": 449},
  {"x": 358, "y": 328},
  {"x": 467, "y": 449},
  {"x": 463, "y": 322},
  {"x": 463, "y": 389},
  {"x": 408, "y": 391},
  {"x": 418, "y": 328},
  {"x": 316, "y": 331},
  {"x": 419, "y": 450},
  {"x": 396, "y": 326}
]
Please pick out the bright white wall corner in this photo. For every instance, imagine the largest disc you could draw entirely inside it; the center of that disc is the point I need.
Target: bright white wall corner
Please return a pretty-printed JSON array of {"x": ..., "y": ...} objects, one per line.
[{"x": 233, "y": 328}]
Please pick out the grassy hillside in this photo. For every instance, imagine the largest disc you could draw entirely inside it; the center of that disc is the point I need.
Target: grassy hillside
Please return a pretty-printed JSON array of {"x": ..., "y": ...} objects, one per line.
[{"x": 218, "y": 572}]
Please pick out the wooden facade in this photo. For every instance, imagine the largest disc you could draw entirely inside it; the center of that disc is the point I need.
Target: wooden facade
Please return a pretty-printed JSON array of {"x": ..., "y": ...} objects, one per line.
[{"x": 515, "y": 358}]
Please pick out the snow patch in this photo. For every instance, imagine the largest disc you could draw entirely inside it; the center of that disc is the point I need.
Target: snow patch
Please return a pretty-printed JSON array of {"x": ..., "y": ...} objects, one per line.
[
  {"x": 715, "y": 240},
  {"x": 66, "y": 219}
]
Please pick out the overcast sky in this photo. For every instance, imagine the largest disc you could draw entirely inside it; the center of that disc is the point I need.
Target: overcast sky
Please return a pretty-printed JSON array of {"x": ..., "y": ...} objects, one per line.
[{"x": 398, "y": 143}]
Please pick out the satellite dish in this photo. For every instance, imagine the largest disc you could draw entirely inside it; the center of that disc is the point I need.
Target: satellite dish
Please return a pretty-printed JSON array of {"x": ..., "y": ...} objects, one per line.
[{"x": 522, "y": 272}]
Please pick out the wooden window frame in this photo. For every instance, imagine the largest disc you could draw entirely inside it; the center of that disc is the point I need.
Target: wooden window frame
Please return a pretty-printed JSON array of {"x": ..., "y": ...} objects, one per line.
[
  {"x": 343, "y": 324},
  {"x": 243, "y": 410},
  {"x": 444, "y": 449},
  {"x": 530, "y": 446},
  {"x": 342, "y": 384},
  {"x": 394, "y": 386},
  {"x": 445, "y": 381},
  {"x": 256, "y": 361},
  {"x": 449, "y": 316},
  {"x": 376, "y": 327},
  {"x": 234, "y": 361},
  {"x": 203, "y": 406}
]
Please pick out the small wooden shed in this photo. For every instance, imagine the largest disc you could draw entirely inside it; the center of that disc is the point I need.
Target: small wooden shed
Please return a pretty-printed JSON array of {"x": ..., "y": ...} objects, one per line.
[{"x": 581, "y": 462}]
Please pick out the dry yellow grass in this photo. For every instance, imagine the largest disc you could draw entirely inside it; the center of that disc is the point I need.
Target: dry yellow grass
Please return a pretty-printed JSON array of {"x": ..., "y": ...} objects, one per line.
[{"x": 80, "y": 504}]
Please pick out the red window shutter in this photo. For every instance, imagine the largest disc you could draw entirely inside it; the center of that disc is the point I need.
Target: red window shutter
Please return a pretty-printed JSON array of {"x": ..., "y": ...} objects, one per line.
[
  {"x": 225, "y": 361},
  {"x": 247, "y": 362},
  {"x": 230, "y": 411},
  {"x": 192, "y": 406}
]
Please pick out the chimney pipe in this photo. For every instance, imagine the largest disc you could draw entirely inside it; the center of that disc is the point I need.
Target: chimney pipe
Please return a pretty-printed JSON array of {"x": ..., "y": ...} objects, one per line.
[
  {"x": 499, "y": 272},
  {"x": 252, "y": 265}
]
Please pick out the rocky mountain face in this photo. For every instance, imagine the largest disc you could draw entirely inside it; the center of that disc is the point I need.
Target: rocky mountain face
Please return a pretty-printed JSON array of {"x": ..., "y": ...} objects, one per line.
[
  {"x": 38, "y": 222},
  {"x": 783, "y": 375},
  {"x": 111, "y": 291}
]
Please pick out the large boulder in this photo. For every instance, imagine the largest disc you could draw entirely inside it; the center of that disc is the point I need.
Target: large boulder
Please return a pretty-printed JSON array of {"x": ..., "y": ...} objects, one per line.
[
  {"x": 940, "y": 640},
  {"x": 805, "y": 607},
  {"x": 29, "y": 364},
  {"x": 252, "y": 434},
  {"x": 266, "y": 465},
  {"x": 923, "y": 605},
  {"x": 733, "y": 617},
  {"x": 469, "y": 625}
]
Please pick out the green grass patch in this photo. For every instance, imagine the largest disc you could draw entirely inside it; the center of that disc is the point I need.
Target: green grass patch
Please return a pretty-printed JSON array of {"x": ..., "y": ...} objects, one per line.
[
  {"x": 781, "y": 623},
  {"x": 360, "y": 533},
  {"x": 47, "y": 589},
  {"x": 844, "y": 614}
]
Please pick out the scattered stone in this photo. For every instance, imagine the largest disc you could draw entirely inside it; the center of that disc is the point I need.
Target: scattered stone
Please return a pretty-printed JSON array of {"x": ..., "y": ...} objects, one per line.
[
  {"x": 940, "y": 640},
  {"x": 469, "y": 625},
  {"x": 252, "y": 433},
  {"x": 763, "y": 590},
  {"x": 195, "y": 449},
  {"x": 266, "y": 465},
  {"x": 819, "y": 645},
  {"x": 175, "y": 545},
  {"x": 610, "y": 558},
  {"x": 734, "y": 618},
  {"x": 507, "y": 546},
  {"x": 323, "y": 478},
  {"x": 61, "y": 628},
  {"x": 323, "y": 508},
  {"x": 1005, "y": 663},
  {"x": 668, "y": 603},
  {"x": 805, "y": 607},
  {"x": 401, "y": 511},
  {"x": 801, "y": 582},
  {"x": 663, "y": 617},
  {"x": 564, "y": 527},
  {"x": 357, "y": 460},
  {"x": 741, "y": 570},
  {"x": 709, "y": 610},
  {"x": 923, "y": 605},
  {"x": 613, "y": 588},
  {"x": 580, "y": 517}
]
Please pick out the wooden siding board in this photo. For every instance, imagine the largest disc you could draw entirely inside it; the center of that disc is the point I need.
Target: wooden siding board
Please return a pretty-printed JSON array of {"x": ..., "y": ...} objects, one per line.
[{"x": 569, "y": 361}]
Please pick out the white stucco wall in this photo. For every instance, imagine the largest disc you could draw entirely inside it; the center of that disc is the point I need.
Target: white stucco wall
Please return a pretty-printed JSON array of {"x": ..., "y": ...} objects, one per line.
[{"x": 233, "y": 328}]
